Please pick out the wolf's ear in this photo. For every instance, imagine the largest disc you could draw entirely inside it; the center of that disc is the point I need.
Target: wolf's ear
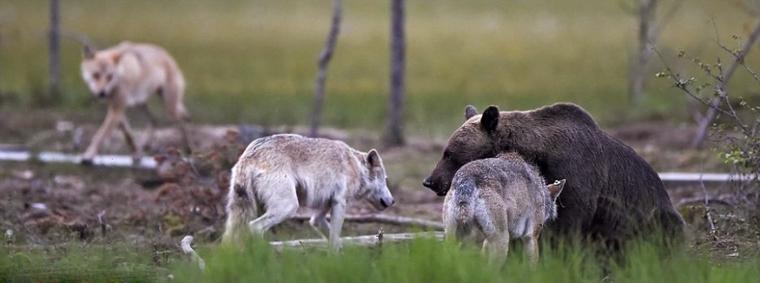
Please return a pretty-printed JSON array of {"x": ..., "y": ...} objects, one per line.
[
  {"x": 556, "y": 188},
  {"x": 373, "y": 158},
  {"x": 470, "y": 111},
  {"x": 490, "y": 119},
  {"x": 88, "y": 52}
]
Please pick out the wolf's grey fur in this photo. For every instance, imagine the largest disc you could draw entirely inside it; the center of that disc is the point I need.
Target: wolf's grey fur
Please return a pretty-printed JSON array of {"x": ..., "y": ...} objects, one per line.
[
  {"x": 505, "y": 198},
  {"x": 277, "y": 174}
]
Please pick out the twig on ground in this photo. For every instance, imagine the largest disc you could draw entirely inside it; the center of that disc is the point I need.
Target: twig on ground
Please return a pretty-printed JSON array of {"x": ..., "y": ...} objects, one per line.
[
  {"x": 102, "y": 222},
  {"x": 706, "y": 202},
  {"x": 187, "y": 249}
]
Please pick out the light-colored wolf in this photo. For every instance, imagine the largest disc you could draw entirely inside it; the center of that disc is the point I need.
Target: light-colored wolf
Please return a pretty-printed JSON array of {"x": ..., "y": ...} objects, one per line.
[
  {"x": 126, "y": 75},
  {"x": 505, "y": 198},
  {"x": 277, "y": 174}
]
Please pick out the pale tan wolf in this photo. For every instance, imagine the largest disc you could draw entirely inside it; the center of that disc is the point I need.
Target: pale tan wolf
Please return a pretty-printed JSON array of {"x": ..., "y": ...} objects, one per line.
[
  {"x": 277, "y": 174},
  {"x": 505, "y": 198},
  {"x": 126, "y": 75}
]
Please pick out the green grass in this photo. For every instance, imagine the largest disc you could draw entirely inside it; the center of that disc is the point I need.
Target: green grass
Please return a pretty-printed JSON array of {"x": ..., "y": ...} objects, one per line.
[
  {"x": 431, "y": 261},
  {"x": 254, "y": 61},
  {"x": 77, "y": 263}
]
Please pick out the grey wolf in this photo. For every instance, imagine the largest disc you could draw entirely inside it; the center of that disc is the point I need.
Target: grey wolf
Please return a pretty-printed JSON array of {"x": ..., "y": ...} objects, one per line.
[
  {"x": 277, "y": 174},
  {"x": 125, "y": 76},
  {"x": 503, "y": 197}
]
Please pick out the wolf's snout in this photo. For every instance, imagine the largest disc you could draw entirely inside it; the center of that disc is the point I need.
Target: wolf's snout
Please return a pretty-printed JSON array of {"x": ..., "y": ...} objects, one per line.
[
  {"x": 387, "y": 202},
  {"x": 101, "y": 94}
]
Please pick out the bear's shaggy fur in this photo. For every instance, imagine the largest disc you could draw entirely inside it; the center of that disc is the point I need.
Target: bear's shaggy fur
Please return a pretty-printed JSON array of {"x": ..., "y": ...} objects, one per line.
[{"x": 611, "y": 193}]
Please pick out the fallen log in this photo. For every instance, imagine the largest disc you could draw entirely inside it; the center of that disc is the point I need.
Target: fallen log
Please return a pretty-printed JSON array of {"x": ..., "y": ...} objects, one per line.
[
  {"x": 58, "y": 157},
  {"x": 386, "y": 219},
  {"x": 364, "y": 241}
]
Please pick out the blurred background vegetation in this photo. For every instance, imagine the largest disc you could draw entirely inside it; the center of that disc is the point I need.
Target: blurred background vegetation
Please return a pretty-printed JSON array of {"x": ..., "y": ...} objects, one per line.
[{"x": 255, "y": 61}]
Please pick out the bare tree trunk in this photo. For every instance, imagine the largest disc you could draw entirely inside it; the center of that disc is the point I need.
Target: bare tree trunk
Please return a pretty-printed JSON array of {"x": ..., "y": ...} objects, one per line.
[
  {"x": 721, "y": 89},
  {"x": 322, "y": 63},
  {"x": 394, "y": 134},
  {"x": 54, "y": 50},
  {"x": 646, "y": 14}
]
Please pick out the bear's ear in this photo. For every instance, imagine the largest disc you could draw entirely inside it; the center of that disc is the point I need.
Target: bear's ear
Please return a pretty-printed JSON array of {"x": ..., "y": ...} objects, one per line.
[
  {"x": 373, "y": 158},
  {"x": 470, "y": 111},
  {"x": 88, "y": 52},
  {"x": 490, "y": 119},
  {"x": 556, "y": 188}
]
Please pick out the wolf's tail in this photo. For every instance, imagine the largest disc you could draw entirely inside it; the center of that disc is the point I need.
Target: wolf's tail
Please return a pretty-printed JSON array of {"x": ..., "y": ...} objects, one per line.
[
  {"x": 464, "y": 198},
  {"x": 241, "y": 203}
]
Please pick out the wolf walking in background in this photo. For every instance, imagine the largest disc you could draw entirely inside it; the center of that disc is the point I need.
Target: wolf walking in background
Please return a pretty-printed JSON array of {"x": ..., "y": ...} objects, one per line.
[
  {"x": 505, "y": 198},
  {"x": 126, "y": 75},
  {"x": 277, "y": 174}
]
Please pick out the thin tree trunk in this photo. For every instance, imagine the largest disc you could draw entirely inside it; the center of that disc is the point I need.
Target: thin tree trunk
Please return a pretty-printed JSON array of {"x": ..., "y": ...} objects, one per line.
[
  {"x": 646, "y": 14},
  {"x": 394, "y": 134},
  {"x": 54, "y": 50},
  {"x": 322, "y": 63},
  {"x": 722, "y": 89}
]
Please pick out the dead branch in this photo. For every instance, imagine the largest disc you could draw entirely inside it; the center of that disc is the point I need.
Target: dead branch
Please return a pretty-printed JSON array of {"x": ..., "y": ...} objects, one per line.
[
  {"x": 365, "y": 241},
  {"x": 724, "y": 199},
  {"x": 386, "y": 219},
  {"x": 394, "y": 134},
  {"x": 669, "y": 15},
  {"x": 648, "y": 33},
  {"x": 683, "y": 84},
  {"x": 54, "y": 50},
  {"x": 722, "y": 88},
  {"x": 185, "y": 244},
  {"x": 322, "y": 63}
]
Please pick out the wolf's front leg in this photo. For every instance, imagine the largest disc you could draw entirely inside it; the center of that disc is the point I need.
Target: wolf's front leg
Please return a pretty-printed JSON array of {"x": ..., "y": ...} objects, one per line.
[
  {"x": 113, "y": 117},
  {"x": 530, "y": 244},
  {"x": 337, "y": 213},
  {"x": 137, "y": 152}
]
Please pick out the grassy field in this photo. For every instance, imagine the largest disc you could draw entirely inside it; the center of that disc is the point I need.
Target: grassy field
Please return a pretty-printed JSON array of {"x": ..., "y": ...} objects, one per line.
[
  {"x": 419, "y": 261},
  {"x": 254, "y": 61},
  {"x": 431, "y": 261}
]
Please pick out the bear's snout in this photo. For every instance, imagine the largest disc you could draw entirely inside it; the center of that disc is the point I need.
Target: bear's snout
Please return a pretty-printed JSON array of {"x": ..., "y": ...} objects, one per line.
[
  {"x": 435, "y": 187},
  {"x": 427, "y": 183}
]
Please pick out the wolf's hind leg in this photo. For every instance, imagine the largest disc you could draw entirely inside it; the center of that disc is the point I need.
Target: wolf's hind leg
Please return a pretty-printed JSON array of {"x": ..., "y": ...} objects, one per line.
[
  {"x": 495, "y": 227},
  {"x": 241, "y": 208},
  {"x": 280, "y": 201},
  {"x": 152, "y": 125},
  {"x": 172, "y": 95}
]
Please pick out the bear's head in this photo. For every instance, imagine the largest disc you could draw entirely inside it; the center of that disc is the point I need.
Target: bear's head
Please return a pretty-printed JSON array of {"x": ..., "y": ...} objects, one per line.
[
  {"x": 473, "y": 140},
  {"x": 541, "y": 136}
]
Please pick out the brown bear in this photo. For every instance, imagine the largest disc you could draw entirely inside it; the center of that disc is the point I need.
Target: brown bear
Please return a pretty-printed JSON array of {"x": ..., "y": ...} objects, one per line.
[{"x": 611, "y": 193}]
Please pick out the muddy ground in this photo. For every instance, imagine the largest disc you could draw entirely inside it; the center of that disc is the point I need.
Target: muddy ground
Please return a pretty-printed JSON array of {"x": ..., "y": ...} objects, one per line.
[{"x": 50, "y": 204}]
